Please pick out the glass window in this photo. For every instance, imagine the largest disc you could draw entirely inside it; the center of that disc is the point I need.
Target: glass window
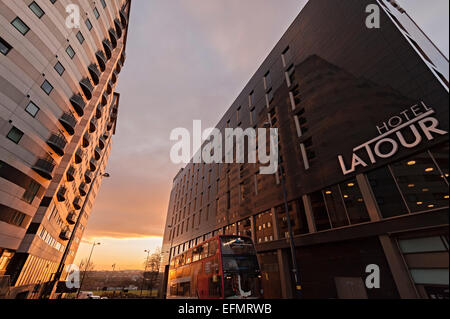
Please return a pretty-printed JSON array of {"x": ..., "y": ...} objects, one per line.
[
  {"x": 36, "y": 9},
  {"x": 20, "y": 26},
  {"x": 59, "y": 68},
  {"x": 386, "y": 193},
  {"x": 421, "y": 183},
  {"x": 354, "y": 202},
  {"x": 15, "y": 135},
  {"x": 103, "y": 3},
  {"x": 204, "y": 251},
  {"x": 212, "y": 247},
  {"x": 88, "y": 24},
  {"x": 430, "y": 276},
  {"x": 47, "y": 87},
  {"x": 297, "y": 217},
  {"x": 96, "y": 13},
  {"x": 319, "y": 209},
  {"x": 32, "y": 109},
  {"x": 70, "y": 51},
  {"x": 5, "y": 47},
  {"x": 264, "y": 229},
  {"x": 440, "y": 154},
  {"x": 335, "y": 207},
  {"x": 80, "y": 37},
  {"x": 422, "y": 245}
]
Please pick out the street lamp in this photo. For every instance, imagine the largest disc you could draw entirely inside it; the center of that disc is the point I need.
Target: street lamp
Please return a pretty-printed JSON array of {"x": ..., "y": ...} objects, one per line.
[
  {"x": 86, "y": 268},
  {"x": 59, "y": 272},
  {"x": 145, "y": 269},
  {"x": 298, "y": 287}
]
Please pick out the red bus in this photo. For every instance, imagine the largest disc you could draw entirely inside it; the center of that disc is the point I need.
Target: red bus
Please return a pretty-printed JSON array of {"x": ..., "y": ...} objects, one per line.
[{"x": 223, "y": 267}]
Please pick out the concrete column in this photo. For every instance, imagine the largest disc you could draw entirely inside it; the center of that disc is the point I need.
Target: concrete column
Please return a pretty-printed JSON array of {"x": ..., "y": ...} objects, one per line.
[
  {"x": 309, "y": 214},
  {"x": 276, "y": 229},
  {"x": 285, "y": 274},
  {"x": 399, "y": 270},
  {"x": 369, "y": 198},
  {"x": 253, "y": 228}
]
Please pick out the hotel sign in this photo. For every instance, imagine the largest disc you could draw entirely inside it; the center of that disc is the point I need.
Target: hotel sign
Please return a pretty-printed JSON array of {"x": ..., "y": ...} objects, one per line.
[{"x": 418, "y": 119}]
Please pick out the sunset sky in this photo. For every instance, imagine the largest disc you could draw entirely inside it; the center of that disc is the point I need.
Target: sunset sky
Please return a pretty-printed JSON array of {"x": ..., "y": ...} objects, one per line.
[{"x": 186, "y": 60}]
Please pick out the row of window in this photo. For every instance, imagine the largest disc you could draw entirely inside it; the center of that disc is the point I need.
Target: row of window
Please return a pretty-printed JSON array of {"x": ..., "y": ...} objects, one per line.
[{"x": 418, "y": 183}]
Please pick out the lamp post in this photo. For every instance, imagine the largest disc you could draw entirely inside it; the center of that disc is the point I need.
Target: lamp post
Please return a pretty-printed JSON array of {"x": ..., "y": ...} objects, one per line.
[
  {"x": 298, "y": 287},
  {"x": 145, "y": 269},
  {"x": 165, "y": 282},
  {"x": 59, "y": 272},
  {"x": 86, "y": 268}
]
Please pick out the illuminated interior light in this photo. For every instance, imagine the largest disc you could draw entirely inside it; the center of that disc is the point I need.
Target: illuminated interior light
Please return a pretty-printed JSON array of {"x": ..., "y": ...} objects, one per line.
[
  {"x": 425, "y": 190},
  {"x": 429, "y": 169},
  {"x": 351, "y": 184},
  {"x": 411, "y": 163},
  {"x": 430, "y": 206},
  {"x": 328, "y": 192},
  {"x": 419, "y": 203},
  {"x": 411, "y": 185}
]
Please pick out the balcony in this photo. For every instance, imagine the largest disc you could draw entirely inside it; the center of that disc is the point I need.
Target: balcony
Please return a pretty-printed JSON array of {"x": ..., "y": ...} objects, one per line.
[
  {"x": 65, "y": 234},
  {"x": 95, "y": 73},
  {"x": 101, "y": 59},
  {"x": 86, "y": 140},
  {"x": 93, "y": 164},
  {"x": 118, "y": 26},
  {"x": 123, "y": 57},
  {"x": 61, "y": 195},
  {"x": 104, "y": 99},
  {"x": 97, "y": 153},
  {"x": 119, "y": 66},
  {"x": 114, "y": 76},
  {"x": 109, "y": 126},
  {"x": 69, "y": 122},
  {"x": 78, "y": 104},
  {"x": 113, "y": 37},
  {"x": 77, "y": 202},
  {"x": 58, "y": 143},
  {"x": 45, "y": 167},
  {"x": 101, "y": 142},
  {"x": 87, "y": 87},
  {"x": 92, "y": 126},
  {"x": 83, "y": 189},
  {"x": 70, "y": 174},
  {"x": 108, "y": 48},
  {"x": 88, "y": 176},
  {"x": 109, "y": 87},
  {"x": 79, "y": 156},
  {"x": 123, "y": 18},
  {"x": 98, "y": 111},
  {"x": 72, "y": 218}
]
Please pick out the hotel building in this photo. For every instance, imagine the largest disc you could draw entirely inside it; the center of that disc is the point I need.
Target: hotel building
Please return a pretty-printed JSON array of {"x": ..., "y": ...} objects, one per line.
[
  {"x": 59, "y": 66},
  {"x": 362, "y": 116}
]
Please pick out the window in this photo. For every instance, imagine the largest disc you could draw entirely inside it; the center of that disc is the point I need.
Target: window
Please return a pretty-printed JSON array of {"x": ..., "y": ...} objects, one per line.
[
  {"x": 297, "y": 217},
  {"x": 36, "y": 9},
  {"x": 32, "y": 109},
  {"x": 5, "y": 47},
  {"x": 286, "y": 57},
  {"x": 17, "y": 219},
  {"x": 354, "y": 202},
  {"x": 70, "y": 51},
  {"x": 80, "y": 37},
  {"x": 20, "y": 26},
  {"x": 15, "y": 135},
  {"x": 88, "y": 24},
  {"x": 319, "y": 209},
  {"x": 31, "y": 192},
  {"x": 267, "y": 81},
  {"x": 421, "y": 183},
  {"x": 253, "y": 118},
  {"x": 96, "y": 13},
  {"x": 251, "y": 99},
  {"x": 47, "y": 87},
  {"x": 59, "y": 68},
  {"x": 103, "y": 3}
]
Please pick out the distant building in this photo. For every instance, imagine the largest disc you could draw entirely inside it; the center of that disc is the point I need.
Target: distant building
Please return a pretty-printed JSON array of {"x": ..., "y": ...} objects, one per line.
[
  {"x": 58, "y": 112},
  {"x": 363, "y": 124}
]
